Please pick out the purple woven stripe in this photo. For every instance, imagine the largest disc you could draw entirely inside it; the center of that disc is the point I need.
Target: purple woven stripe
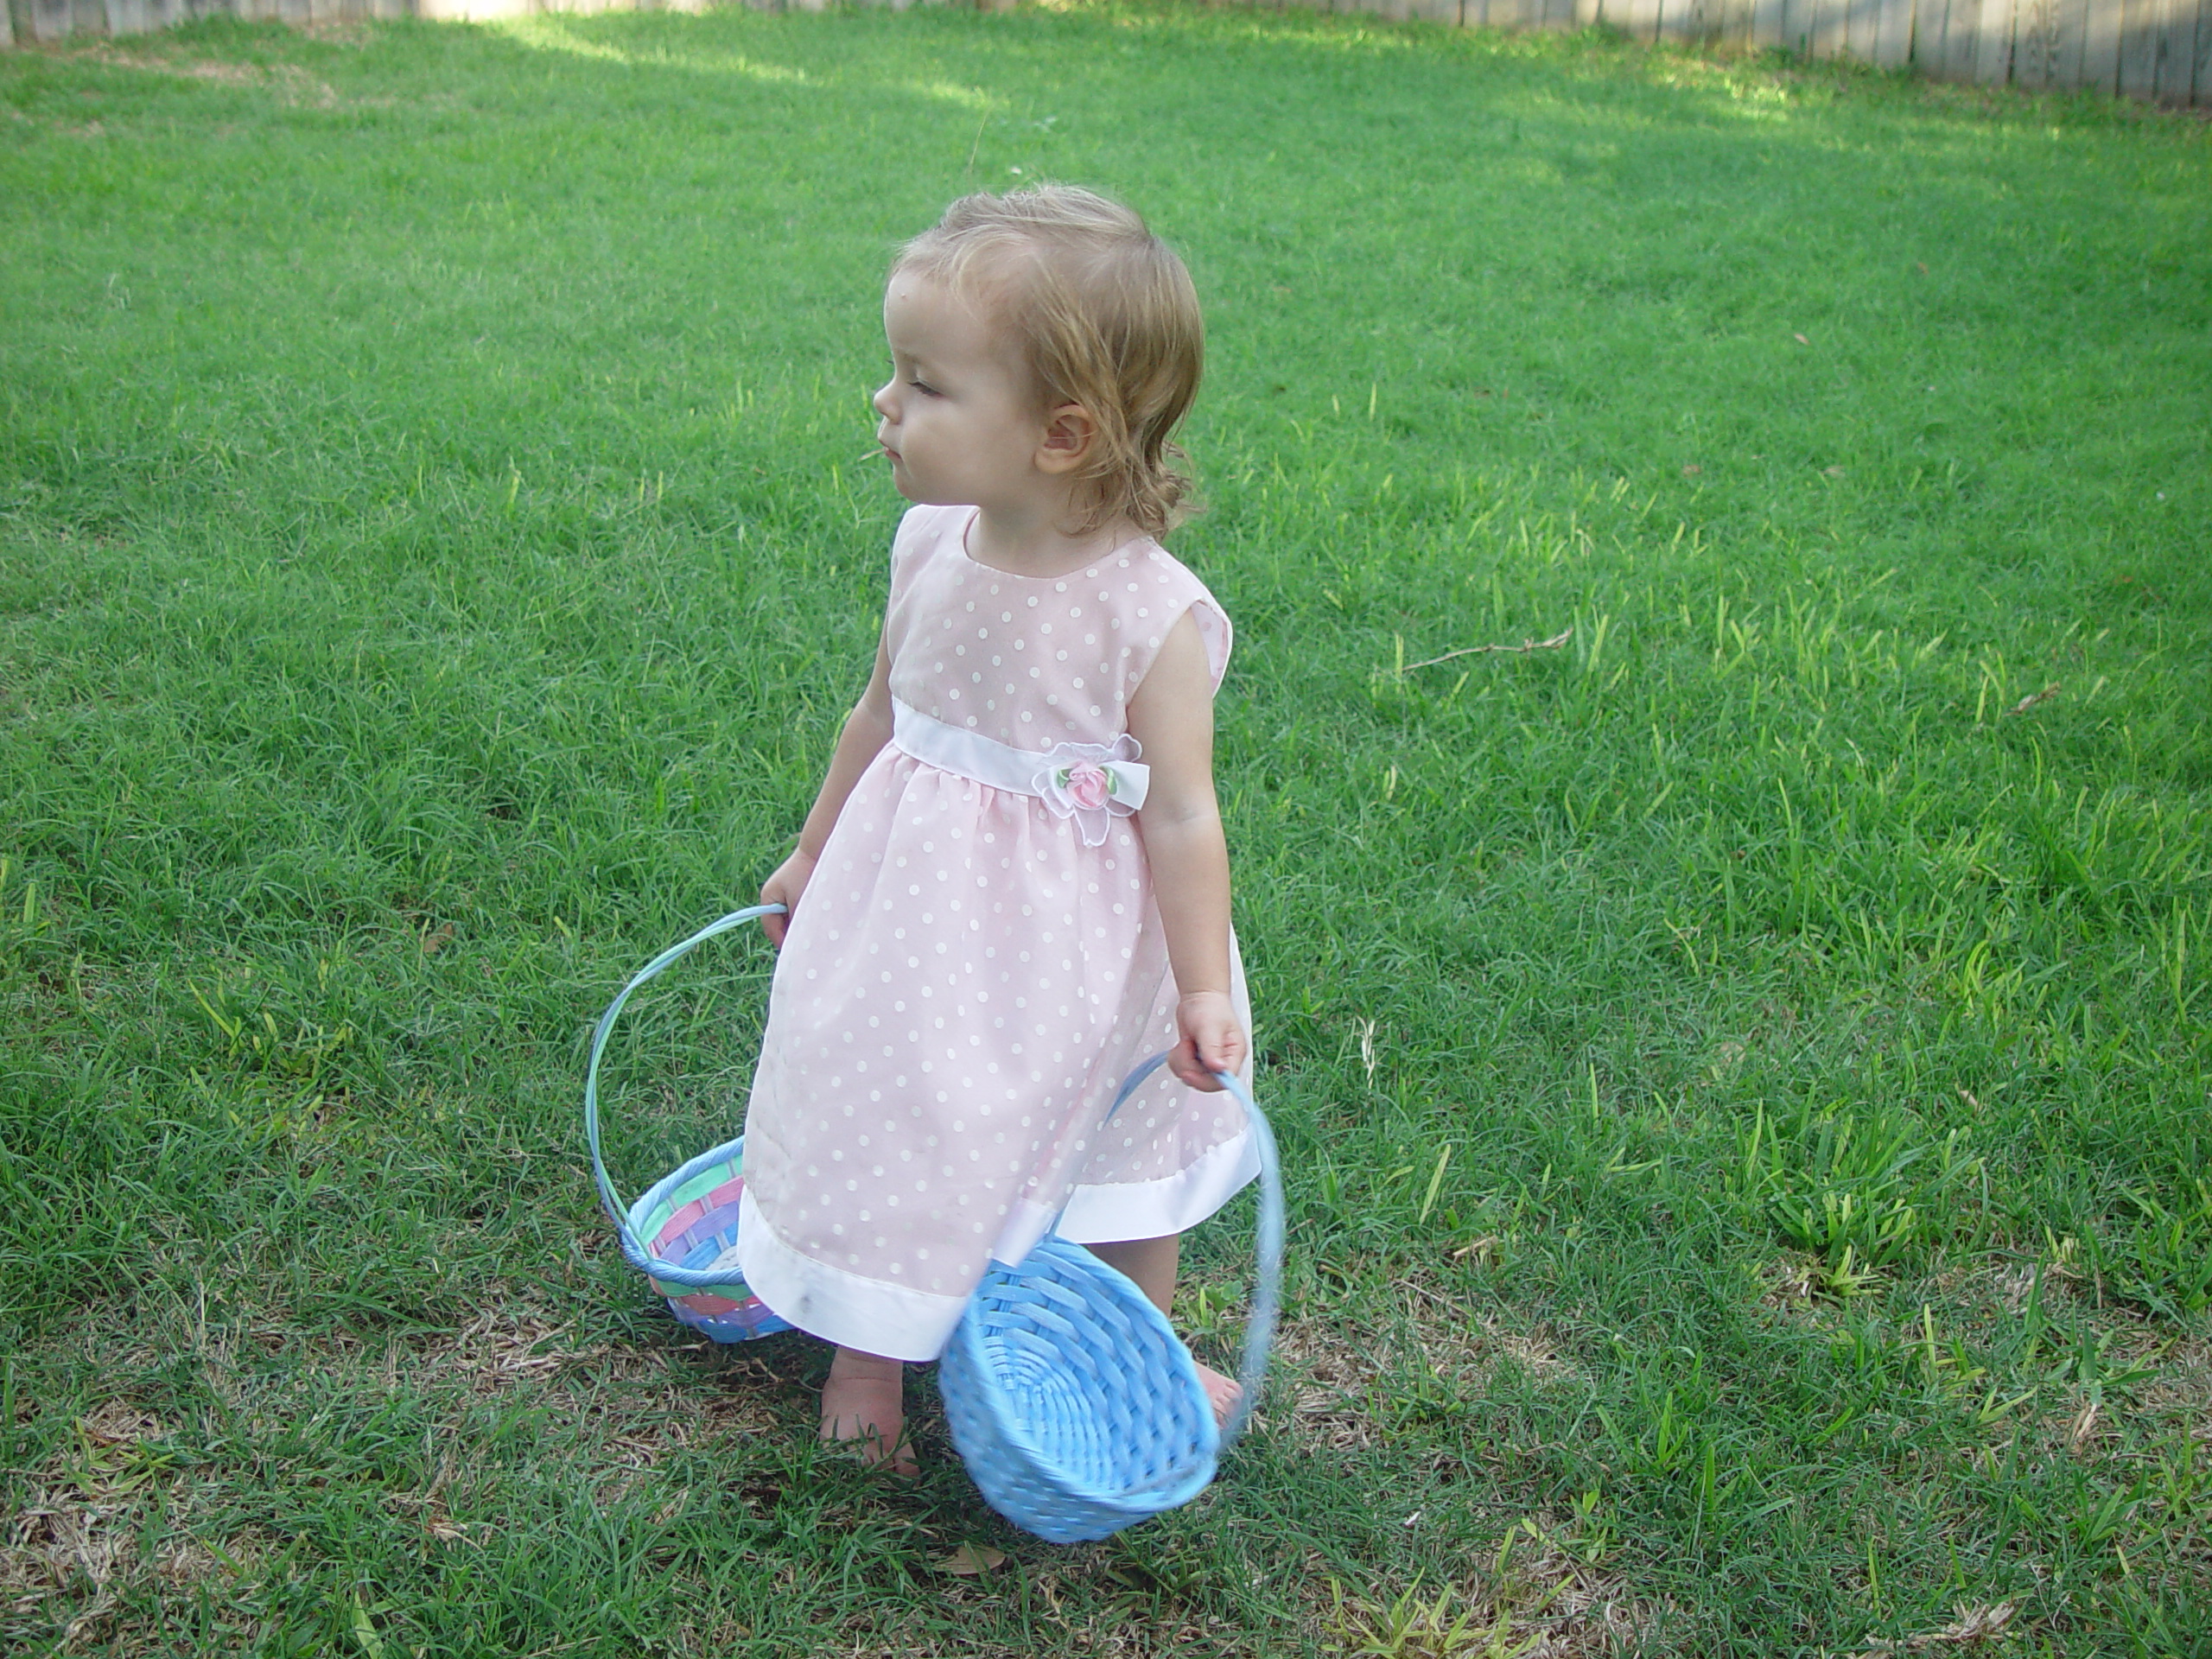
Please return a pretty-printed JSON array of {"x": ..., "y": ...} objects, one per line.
[{"x": 751, "y": 1319}]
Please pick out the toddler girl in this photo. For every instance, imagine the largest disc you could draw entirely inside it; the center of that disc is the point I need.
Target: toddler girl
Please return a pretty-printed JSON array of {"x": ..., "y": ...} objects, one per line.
[{"x": 1013, "y": 886}]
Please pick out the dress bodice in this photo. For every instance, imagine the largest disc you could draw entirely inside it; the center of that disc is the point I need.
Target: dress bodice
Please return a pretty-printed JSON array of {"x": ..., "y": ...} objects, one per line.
[{"x": 1032, "y": 662}]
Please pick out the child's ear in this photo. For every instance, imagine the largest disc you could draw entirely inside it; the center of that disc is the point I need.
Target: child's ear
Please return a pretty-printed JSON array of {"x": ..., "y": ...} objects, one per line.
[{"x": 1069, "y": 433}]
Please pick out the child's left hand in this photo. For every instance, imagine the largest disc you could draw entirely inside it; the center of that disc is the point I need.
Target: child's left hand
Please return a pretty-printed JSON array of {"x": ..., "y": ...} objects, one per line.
[{"x": 1212, "y": 1041}]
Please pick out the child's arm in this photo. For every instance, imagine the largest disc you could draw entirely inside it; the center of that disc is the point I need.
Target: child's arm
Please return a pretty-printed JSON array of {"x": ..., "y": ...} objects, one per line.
[
  {"x": 1172, "y": 716},
  {"x": 868, "y": 728}
]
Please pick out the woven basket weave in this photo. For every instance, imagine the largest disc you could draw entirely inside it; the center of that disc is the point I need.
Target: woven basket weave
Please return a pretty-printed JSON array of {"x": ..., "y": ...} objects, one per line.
[{"x": 1076, "y": 1407}]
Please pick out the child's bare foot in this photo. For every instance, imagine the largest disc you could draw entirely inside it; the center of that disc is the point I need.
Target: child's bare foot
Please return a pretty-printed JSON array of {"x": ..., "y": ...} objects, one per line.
[
  {"x": 863, "y": 1406},
  {"x": 1224, "y": 1392}
]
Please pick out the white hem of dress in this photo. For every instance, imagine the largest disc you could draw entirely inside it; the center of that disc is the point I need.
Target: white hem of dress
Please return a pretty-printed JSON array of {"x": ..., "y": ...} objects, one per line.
[
  {"x": 895, "y": 1321},
  {"x": 1108, "y": 1214}
]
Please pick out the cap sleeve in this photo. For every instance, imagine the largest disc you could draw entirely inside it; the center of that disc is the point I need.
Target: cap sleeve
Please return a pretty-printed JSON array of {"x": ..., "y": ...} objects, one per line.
[
  {"x": 1214, "y": 629},
  {"x": 1181, "y": 593},
  {"x": 919, "y": 531}
]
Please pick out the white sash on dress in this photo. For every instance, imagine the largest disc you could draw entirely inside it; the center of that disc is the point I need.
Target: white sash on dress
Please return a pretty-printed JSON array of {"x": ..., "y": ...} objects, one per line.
[{"x": 1092, "y": 783}]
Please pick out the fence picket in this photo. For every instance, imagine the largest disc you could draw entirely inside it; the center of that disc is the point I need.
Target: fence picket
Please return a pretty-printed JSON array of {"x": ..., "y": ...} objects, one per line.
[
  {"x": 2068, "y": 37},
  {"x": 1690, "y": 20},
  {"x": 1799, "y": 18},
  {"x": 2139, "y": 47},
  {"x": 2177, "y": 51},
  {"x": 1893, "y": 35},
  {"x": 1993, "y": 62},
  {"x": 2101, "y": 47},
  {"x": 1962, "y": 38},
  {"x": 2031, "y": 42},
  {"x": 2203, "y": 79},
  {"x": 1862, "y": 24}
]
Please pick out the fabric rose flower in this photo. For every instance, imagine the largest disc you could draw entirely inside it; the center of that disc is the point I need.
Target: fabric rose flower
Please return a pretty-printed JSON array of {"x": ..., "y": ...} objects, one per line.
[
  {"x": 1088, "y": 787},
  {"x": 1094, "y": 784}
]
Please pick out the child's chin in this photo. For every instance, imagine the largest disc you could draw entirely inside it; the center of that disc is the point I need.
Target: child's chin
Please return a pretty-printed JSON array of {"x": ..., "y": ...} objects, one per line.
[{"x": 922, "y": 496}]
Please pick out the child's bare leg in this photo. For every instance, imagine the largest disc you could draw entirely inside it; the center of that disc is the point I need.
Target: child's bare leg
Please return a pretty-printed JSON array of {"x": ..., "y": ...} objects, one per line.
[
  {"x": 1152, "y": 1263},
  {"x": 864, "y": 1403}
]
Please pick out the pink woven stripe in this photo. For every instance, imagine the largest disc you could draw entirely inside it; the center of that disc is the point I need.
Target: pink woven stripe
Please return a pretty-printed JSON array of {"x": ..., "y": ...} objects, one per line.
[
  {"x": 683, "y": 1218},
  {"x": 705, "y": 1301}
]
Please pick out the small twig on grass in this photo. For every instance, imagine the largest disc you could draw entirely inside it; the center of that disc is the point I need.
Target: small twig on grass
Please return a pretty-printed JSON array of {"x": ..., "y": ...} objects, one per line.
[
  {"x": 1525, "y": 646},
  {"x": 2032, "y": 699}
]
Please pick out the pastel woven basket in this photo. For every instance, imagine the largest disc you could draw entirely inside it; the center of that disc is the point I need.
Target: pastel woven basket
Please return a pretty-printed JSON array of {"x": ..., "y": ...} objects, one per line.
[
  {"x": 1075, "y": 1406},
  {"x": 682, "y": 1233}
]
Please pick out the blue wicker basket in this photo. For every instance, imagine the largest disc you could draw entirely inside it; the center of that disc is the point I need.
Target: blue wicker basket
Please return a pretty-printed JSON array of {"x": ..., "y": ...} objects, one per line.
[
  {"x": 682, "y": 1233},
  {"x": 1076, "y": 1407}
]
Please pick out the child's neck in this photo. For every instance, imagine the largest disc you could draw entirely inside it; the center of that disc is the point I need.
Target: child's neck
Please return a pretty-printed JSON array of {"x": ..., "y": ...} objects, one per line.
[{"x": 1033, "y": 540}]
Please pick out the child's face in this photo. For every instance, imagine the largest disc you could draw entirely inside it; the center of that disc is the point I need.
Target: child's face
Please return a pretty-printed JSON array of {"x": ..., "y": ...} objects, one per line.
[{"x": 959, "y": 423}]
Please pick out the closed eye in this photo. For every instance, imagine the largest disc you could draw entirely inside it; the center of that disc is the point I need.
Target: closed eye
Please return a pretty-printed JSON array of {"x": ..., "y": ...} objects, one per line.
[{"x": 925, "y": 387}]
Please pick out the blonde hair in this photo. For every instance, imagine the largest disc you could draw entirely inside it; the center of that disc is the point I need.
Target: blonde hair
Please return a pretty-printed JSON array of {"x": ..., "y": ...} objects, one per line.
[{"x": 1106, "y": 317}]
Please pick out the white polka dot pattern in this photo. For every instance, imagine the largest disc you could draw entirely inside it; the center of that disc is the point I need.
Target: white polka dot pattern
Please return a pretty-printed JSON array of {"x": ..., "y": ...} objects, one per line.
[{"x": 965, "y": 983}]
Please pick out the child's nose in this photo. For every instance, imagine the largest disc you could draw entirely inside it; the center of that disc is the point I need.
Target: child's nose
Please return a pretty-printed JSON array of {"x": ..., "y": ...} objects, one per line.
[{"x": 882, "y": 401}]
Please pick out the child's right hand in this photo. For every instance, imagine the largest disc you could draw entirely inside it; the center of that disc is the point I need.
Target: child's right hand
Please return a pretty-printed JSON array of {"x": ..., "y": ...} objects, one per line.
[{"x": 784, "y": 888}]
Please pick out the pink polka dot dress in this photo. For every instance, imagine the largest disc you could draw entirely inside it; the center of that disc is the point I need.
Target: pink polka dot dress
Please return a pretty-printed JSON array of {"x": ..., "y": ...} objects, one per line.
[{"x": 978, "y": 962}]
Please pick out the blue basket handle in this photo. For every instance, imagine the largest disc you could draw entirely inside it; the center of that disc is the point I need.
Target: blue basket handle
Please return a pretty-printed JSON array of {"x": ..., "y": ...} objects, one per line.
[
  {"x": 1267, "y": 1285},
  {"x": 634, "y": 1248}
]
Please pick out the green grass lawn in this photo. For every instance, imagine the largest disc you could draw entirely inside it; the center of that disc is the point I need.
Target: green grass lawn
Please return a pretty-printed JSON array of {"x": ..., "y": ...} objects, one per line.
[{"x": 1743, "y": 1070}]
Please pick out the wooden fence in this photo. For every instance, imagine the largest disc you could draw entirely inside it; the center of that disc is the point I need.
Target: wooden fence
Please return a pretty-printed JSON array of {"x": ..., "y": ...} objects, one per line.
[{"x": 2159, "y": 50}]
